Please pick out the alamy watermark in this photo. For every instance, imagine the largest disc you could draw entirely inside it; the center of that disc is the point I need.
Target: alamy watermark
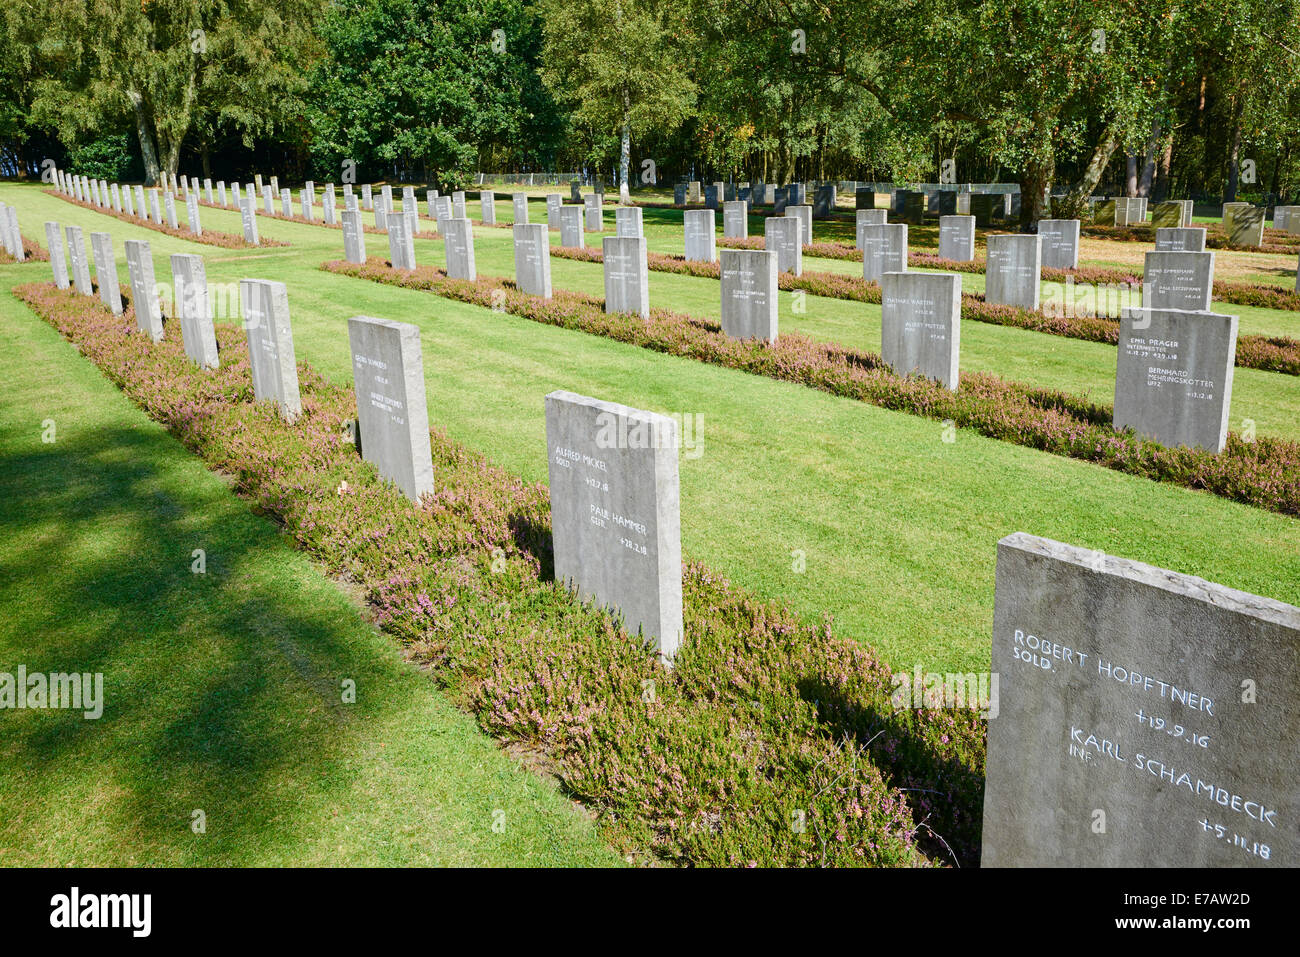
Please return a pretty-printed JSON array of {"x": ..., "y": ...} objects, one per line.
[
  {"x": 53, "y": 691},
  {"x": 974, "y": 691}
]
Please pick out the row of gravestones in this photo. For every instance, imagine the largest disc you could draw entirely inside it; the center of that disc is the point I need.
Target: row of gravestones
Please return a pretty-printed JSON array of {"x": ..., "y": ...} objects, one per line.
[{"x": 130, "y": 201}]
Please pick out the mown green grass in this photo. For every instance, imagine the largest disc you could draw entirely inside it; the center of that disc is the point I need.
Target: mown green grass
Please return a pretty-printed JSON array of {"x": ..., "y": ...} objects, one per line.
[
  {"x": 898, "y": 527},
  {"x": 223, "y": 690}
]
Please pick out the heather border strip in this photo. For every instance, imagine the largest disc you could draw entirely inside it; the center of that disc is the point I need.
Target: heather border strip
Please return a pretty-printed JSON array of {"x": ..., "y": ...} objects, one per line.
[
  {"x": 303, "y": 220},
  {"x": 1264, "y": 473},
  {"x": 209, "y": 237},
  {"x": 764, "y": 713},
  {"x": 1265, "y": 353},
  {"x": 33, "y": 252}
]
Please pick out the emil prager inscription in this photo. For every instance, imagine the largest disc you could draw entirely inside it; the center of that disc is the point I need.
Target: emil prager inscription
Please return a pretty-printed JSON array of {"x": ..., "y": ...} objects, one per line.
[{"x": 1145, "y": 718}]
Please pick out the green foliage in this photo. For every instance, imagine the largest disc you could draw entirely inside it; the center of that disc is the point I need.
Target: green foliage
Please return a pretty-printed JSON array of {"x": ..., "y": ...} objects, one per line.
[{"x": 107, "y": 157}]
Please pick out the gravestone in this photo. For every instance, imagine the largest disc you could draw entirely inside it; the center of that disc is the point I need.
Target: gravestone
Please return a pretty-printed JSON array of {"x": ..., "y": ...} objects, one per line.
[
  {"x": 1121, "y": 692},
  {"x": 265, "y": 307},
  {"x": 144, "y": 290},
  {"x": 864, "y": 198},
  {"x": 1167, "y": 215},
  {"x": 1229, "y": 209},
  {"x": 679, "y": 194},
  {"x": 78, "y": 262},
  {"x": 884, "y": 250},
  {"x": 458, "y": 205},
  {"x": 1181, "y": 239},
  {"x": 1177, "y": 280},
  {"x": 735, "y": 220},
  {"x": 58, "y": 261},
  {"x": 14, "y": 235},
  {"x": 329, "y": 205},
  {"x": 1013, "y": 271},
  {"x": 306, "y": 202},
  {"x": 367, "y": 196},
  {"x": 945, "y": 202},
  {"x": 520, "y": 203},
  {"x": 101, "y": 246},
  {"x": 575, "y": 191},
  {"x": 920, "y": 325},
  {"x": 571, "y": 233},
  {"x": 248, "y": 217},
  {"x": 627, "y": 277},
  {"x": 381, "y": 217},
  {"x": 192, "y": 214},
  {"x": 170, "y": 202},
  {"x": 627, "y": 221},
  {"x": 700, "y": 226},
  {"x": 554, "y": 202},
  {"x": 386, "y": 199},
  {"x": 286, "y": 202},
  {"x": 268, "y": 200},
  {"x": 354, "y": 237},
  {"x": 1173, "y": 380},
  {"x": 868, "y": 217},
  {"x": 615, "y": 519},
  {"x": 693, "y": 191},
  {"x": 194, "y": 308},
  {"x": 1247, "y": 226},
  {"x": 275, "y": 186},
  {"x": 1130, "y": 211},
  {"x": 987, "y": 208},
  {"x": 780, "y": 200},
  {"x": 532, "y": 259},
  {"x": 128, "y": 206},
  {"x": 207, "y": 190},
  {"x": 781, "y": 234},
  {"x": 401, "y": 244},
  {"x": 392, "y": 407},
  {"x": 911, "y": 206},
  {"x": 116, "y": 193},
  {"x": 487, "y": 204},
  {"x": 824, "y": 201},
  {"x": 154, "y": 207},
  {"x": 957, "y": 238},
  {"x": 805, "y": 216},
  {"x": 1060, "y": 243},
  {"x": 460, "y": 249},
  {"x": 594, "y": 214},
  {"x": 749, "y": 293}
]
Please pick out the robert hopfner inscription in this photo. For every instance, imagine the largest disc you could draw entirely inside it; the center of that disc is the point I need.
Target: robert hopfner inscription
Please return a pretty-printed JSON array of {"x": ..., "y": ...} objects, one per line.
[
  {"x": 615, "y": 511},
  {"x": 1145, "y": 718}
]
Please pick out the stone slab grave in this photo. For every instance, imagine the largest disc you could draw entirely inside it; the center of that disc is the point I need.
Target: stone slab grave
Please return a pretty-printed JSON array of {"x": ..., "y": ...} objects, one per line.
[
  {"x": 207, "y": 190},
  {"x": 58, "y": 260},
  {"x": 532, "y": 259},
  {"x": 248, "y": 217},
  {"x": 711, "y": 197},
  {"x": 1130, "y": 211},
  {"x": 987, "y": 208},
  {"x": 554, "y": 202},
  {"x": 1060, "y": 243},
  {"x": 354, "y": 237},
  {"x": 1173, "y": 377},
  {"x": 382, "y": 217},
  {"x": 386, "y": 198},
  {"x": 1144, "y": 718},
  {"x": 307, "y": 202},
  {"x": 735, "y": 220},
  {"x": 571, "y": 231},
  {"x": 781, "y": 234},
  {"x": 194, "y": 308},
  {"x": 700, "y": 227},
  {"x": 867, "y": 217},
  {"x": 575, "y": 192},
  {"x": 101, "y": 245},
  {"x": 192, "y": 214},
  {"x": 864, "y": 198},
  {"x": 679, "y": 194},
  {"x": 1167, "y": 215},
  {"x": 116, "y": 193},
  {"x": 824, "y": 199},
  {"x": 155, "y": 208},
  {"x": 1247, "y": 226},
  {"x": 268, "y": 200},
  {"x": 693, "y": 191},
  {"x": 884, "y": 250},
  {"x": 921, "y": 324},
  {"x": 805, "y": 216},
  {"x": 367, "y": 196},
  {"x": 910, "y": 206},
  {"x": 957, "y": 238},
  {"x": 1014, "y": 269},
  {"x": 1178, "y": 280},
  {"x": 1182, "y": 239},
  {"x": 392, "y": 408},
  {"x": 401, "y": 244},
  {"x": 77, "y": 261},
  {"x": 286, "y": 202},
  {"x": 487, "y": 205},
  {"x": 749, "y": 293},
  {"x": 627, "y": 277},
  {"x": 594, "y": 213},
  {"x": 628, "y": 222},
  {"x": 144, "y": 289},
  {"x": 169, "y": 205},
  {"x": 520, "y": 203},
  {"x": 615, "y": 512},
  {"x": 459, "y": 248},
  {"x": 443, "y": 212},
  {"x": 265, "y": 307},
  {"x": 458, "y": 205},
  {"x": 1227, "y": 213}
]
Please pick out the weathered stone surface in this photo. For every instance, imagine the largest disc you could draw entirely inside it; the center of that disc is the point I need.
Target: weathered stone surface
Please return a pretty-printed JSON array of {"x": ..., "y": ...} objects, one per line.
[
  {"x": 554, "y": 203},
  {"x": 1167, "y": 215},
  {"x": 921, "y": 324},
  {"x": 77, "y": 261},
  {"x": 487, "y": 204},
  {"x": 354, "y": 237},
  {"x": 805, "y": 216},
  {"x": 520, "y": 203},
  {"x": 1120, "y": 693},
  {"x": 460, "y": 249},
  {"x": 627, "y": 221},
  {"x": 1173, "y": 379},
  {"x": 1177, "y": 280},
  {"x": 1060, "y": 243},
  {"x": 615, "y": 511},
  {"x": 155, "y": 207},
  {"x": 1247, "y": 226},
  {"x": 884, "y": 249},
  {"x": 594, "y": 213},
  {"x": 735, "y": 220},
  {"x": 101, "y": 245},
  {"x": 571, "y": 231},
  {"x": 532, "y": 259},
  {"x": 392, "y": 408},
  {"x": 749, "y": 293},
  {"x": 627, "y": 277},
  {"x": 700, "y": 226},
  {"x": 782, "y": 234},
  {"x": 144, "y": 289},
  {"x": 824, "y": 198},
  {"x": 864, "y": 198},
  {"x": 192, "y": 214},
  {"x": 248, "y": 216},
  {"x": 679, "y": 194},
  {"x": 1014, "y": 269},
  {"x": 957, "y": 238},
  {"x": 194, "y": 307},
  {"x": 270, "y": 344},
  {"x": 58, "y": 259},
  {"x": 1180, "y": 239},
  {"x": 458, "y": 205},
  {"x": 693, "y": 191},
  {"x": 367, "y": 197},
  {"x": 401, "y": 244}
]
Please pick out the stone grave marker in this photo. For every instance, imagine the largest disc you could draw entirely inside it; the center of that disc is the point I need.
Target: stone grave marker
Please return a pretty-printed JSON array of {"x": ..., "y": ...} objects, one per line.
[
  {"x": 735, "y": 220},
  {"x": 749, "y": 293},
  {"x": 921, "y": 324},
  {"x": 782, "y": 234},
  {"x": 957, "y": 238},
  {"x": 884, "y": 250},
  {"x": 1184, "y": 239},
  {"x": 58, "y": 261},
  {"x": 1013, "y": 271},
  {"x": 532, "y": 259},
  {"x": 101, "y": 245},
  {"x": 1060, "y": 243},
  {"x": 1176, "y": 280},
  {"x": 460, "y": 249},
  {"x": 627, "y": 278},
  {"x": 700, "y": 226},
  {"x": 627, "y": 221},
  {"x": 144, "y": 290},
  {"x": 265, "y": 305},
  {"x": 194, "y": 308}
]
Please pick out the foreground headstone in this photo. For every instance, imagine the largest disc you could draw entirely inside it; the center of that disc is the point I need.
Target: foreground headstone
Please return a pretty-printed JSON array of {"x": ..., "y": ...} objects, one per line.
[
  {"x": 884, "y": 250},
  {"x": 782, "y": 235},
  {"x": 615, "y": 512},
  {"x": 700, "y": 226},
  {"x": 460, "y": 249},
  {"x": 270, "y": 344},
  {"x": 392, "y": 408},
  {"x": 1178, "y": 281},
  {"x": 101, "y": 246},
  {"x": 1014, "y": 269},
  {"x": 1060, "y": 243},
  {"x": 920, "y": 329},
  {"x": 1173, "y": 378},
  {"x": 193, "y": 306},
  {"x": 77, "y": 260},
  {"x": 1180, "y": 239},
  {"x": 58, "y": 261},
  {"x": 144, "y": 291},
  {"x": 532, "y": 259},
  {"x": 354, "y": 237},
  {"x": 401, "y": 244},
  {"x": 957, "y": 238},
  {"x": 627, "y": 221},
  {"x": 1123, "y": 736},
  {"x": 627, "y": 278},
  {"x": 749, "y": 293}
]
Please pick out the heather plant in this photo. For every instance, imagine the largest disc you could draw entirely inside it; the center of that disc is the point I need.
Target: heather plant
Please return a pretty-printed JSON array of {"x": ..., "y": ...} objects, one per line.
[{"x": 32, "y": 252}]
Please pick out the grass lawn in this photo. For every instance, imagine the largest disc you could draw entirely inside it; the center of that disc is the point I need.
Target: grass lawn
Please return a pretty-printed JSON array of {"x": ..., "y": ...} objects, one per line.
[
  {"x": 223, "y": 690},
  {"x": 898, "y": 527}
]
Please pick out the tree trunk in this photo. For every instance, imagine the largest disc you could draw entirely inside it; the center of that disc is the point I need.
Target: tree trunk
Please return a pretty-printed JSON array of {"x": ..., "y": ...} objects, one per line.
[
  {"x": 1131, "y": 175},
  {"x": 1163, "y": 186},
  {"x": 1076, "y": 197},
  {"x": 148, "y": 152},
  {"x": 625, "y": 160},
  {"x": 1234, "y": 157},
  {"x": 1035, "y": 180}
]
